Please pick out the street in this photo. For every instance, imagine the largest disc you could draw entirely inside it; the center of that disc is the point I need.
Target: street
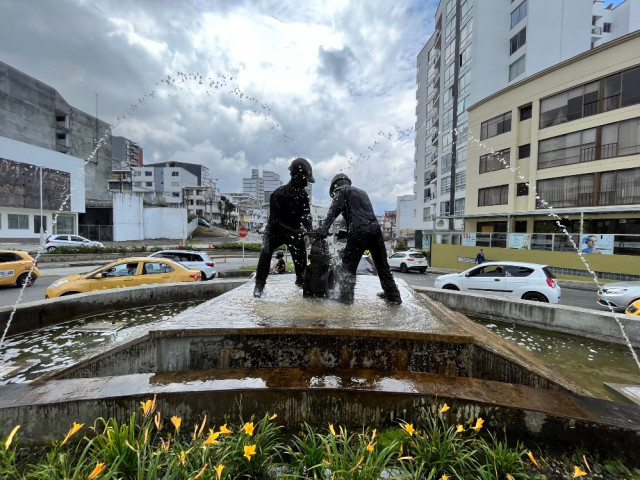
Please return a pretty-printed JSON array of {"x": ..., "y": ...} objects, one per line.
[{"x": 10, "y": 295}]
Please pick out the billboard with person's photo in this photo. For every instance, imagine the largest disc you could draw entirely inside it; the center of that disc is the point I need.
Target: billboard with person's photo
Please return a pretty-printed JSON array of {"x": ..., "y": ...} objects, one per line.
[{"x": 596, "y": 243}]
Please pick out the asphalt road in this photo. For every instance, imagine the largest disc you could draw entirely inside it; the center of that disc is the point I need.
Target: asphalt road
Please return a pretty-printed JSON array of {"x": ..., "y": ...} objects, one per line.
[{"x": 12, "y": 295}]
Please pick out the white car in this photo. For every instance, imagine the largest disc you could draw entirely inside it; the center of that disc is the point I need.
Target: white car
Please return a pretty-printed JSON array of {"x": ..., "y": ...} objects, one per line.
[
  {"x": 409, "y": 260},
  {"x": 55, "y": 241},
  {"x": 528, "y": 281},
  {"x": 191, "y": 259}
]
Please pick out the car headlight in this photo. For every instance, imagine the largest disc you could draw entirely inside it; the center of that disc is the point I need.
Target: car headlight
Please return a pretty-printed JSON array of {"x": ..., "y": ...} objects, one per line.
[
  {"x": 58, "y": 283},
  {"x": 614, "y": 291}
]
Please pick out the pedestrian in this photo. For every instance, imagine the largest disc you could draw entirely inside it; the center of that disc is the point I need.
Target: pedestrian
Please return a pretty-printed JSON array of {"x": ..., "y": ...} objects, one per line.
[
  {"x": 480, "y": 257},
  {"x": 363, "y": 233},
  {"x": 280, "y": 264},
  {"x": 289, "y": 217}
]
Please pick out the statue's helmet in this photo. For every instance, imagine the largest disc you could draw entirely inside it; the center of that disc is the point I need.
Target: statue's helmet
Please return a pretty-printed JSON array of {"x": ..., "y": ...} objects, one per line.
[
  {"x": 337, "y": 181},
  {"x": 301, "y": 166},
  {"x": 279, "y": 254}
]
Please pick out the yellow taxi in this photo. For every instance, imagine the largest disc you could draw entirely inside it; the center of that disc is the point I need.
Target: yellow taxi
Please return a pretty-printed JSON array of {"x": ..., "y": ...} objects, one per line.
[
  {"x": 17, "y": 268},
  {"x": 126, "y": 272},
  {"x": 633, "y": 308}
]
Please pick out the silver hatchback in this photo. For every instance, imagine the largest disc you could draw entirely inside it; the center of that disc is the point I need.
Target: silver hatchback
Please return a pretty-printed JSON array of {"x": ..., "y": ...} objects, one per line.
[
  {"x": 191, "y": 259},
  {"x": 618, "y": 296}
]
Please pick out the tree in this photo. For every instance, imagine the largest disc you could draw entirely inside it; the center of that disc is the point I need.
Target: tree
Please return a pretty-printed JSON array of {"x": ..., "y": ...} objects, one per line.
[{"x": 225, "y": 206}]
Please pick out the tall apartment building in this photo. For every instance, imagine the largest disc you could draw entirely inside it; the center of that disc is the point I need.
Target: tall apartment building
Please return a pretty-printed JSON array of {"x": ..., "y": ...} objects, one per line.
[
  {"x": 254, "y": 185},
  {"x": 478, "y": 48},
  {"x": 271, "y": 182},
  {"x": 126, "y": 153}
]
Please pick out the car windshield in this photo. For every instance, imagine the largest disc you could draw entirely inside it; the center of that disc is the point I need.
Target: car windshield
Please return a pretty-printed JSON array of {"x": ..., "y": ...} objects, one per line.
[{"x": 416, "y": 255}]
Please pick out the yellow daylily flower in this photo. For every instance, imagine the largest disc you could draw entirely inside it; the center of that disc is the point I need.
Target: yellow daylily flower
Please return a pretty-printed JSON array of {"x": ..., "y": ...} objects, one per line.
[
  {"x": 373, "y": 435},
  {"x": 219, "y": 471},
  {"x": 409, "y": 428},
  {"x": 148, "y": 407},
  {"x": 182, "y": 456},
  {"x": 198, "y": 431},
  {"x": 10, "y": 437},
  {"x": 177, "y": 421},
  {"x": 332, "y": 430},
  {"x": 459, "y": 428},
  {"x": 370, "y": 448},
  {"x": 72, "y": 430},
  {"x": 224, "y": 429},
  {"x": 444, "y": 408},
  {"x": 96, "y": 471},
  {"x": 249, "y": 451},
  {"x": 509, "y": 477},
  {"x": 158, "y": 421},
  {"x": 478, "y": 424},
  {"x": 201, "y": 471},
  {"x": 533, "y": 460},
  {"x": 444, "y": 477},
  {"x": 578, "y": 472},
  {"x": 212, "y": 438},
  {"x": 248, "y": 428},
  {"x": 273, "y": 417}
]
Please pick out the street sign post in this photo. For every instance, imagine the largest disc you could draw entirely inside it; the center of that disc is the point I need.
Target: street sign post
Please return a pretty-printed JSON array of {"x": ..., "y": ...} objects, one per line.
[{"x": 242, "y": 231}]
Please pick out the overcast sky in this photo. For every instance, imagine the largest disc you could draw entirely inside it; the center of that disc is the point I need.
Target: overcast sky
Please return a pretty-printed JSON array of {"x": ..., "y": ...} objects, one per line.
[{"x": 236, "y": 85}]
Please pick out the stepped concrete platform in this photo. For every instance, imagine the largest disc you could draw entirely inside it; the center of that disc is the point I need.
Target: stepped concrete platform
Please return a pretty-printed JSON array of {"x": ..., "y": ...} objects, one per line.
[{"x": 320, "y": 361}]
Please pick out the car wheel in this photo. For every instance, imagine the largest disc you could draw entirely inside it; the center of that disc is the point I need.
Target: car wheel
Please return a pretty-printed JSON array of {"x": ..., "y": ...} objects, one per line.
[
  {"x": 26, "y": 280},
  {"x": 403, "y": 268},
  {"x": 535, "y": 297},
  {"x": 635, "y": 300},
  {"x": 451, "y": 287},
  {"x": 203, "y": 277},
  {"x": 423, "y": 270},
  {"x": 69, "y": 293},
  {"x": 51, "y": 249}
]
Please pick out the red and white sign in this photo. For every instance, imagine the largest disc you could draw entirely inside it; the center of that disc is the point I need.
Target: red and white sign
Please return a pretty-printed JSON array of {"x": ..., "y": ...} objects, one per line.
[{"x": 242, "y": 232}]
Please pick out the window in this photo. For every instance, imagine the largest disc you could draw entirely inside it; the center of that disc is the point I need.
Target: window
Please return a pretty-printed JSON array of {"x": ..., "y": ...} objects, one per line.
[
  {"x": 462, "y": 107},
  {"x": 147, "y": 173},
  {"x": 447, "y": 96},
  {"x": 175, "y": 184},
  {"x": 518, "y": 40},
  {"x": 175, "y": 174},
  {"x": 450, "y": 29},
  {"x": 495, "y": 161},
  {"x": 447, "y": 119},
  {"x": 620, "y": 187},
  {"x": 465, "y": 57},
  {"x": 570, "y": 105},
  {"x": 18, "y": 222},
  {"x": 37, "y": 219},
  {"x": 493, "y": 196},
  {"x": 445, "y": 163},
  {"x": 148, "y": 184},
  {"x": 516, "y": 68},
  {"x": 445, "y": 186},
  {"x": 449, "y": 51},
  {"x": 459, "y": 207},
  {"x": 606, "y": 27},
  {"x": 427, "y": 194},
  {"x": 137, "y": 173},
  {"x": 137, "y": 184},
  {"x": 449, "y": 73},
  {"x": 524, "y": 151},
  {"x": 463, "y": 83},
  {"x": 461, "y": 158},
  {"x": 519, "y": 14},
  {"x": 522, "y": 189},
  {"x": 567, "y": 149},
  {"x": 465, "y": 8},
  {"x": 525, "y": 112},
  {"x": 496, "y": 126},
  {"x": 461, "y": 180},
  {"x": 426, "y": 215},
  {"x": 465, "y": 32},
  {"x": 444, "y": 208}
]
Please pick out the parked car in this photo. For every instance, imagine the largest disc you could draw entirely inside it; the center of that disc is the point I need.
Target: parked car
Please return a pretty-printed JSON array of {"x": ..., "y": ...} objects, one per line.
[
  {"x": 528, "y": 281},
  {"x": 203, "y": 223},
  {"x": 15, "y": 267},
  {"x": 191, "y": 259},
  {"x": 410, "y": 260},
  {"x": 619, "y": 296},
  {"x": 366, "y": 266},
  {"x": 633, "y": 308},
  {"x": 126, "y": 272},
  {"x": 55, "y": 241}
]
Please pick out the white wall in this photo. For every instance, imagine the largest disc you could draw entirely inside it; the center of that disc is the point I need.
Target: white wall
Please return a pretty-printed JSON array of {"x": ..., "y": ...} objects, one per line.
[
  {"x": 127, "y": 217},
  {"x": 404, "y": 213},
  {"x": 165, "y": 223}
]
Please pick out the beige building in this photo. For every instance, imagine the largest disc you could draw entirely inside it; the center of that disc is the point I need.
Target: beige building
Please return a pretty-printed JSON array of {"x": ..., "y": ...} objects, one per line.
[{"x": 553, "y": 166}]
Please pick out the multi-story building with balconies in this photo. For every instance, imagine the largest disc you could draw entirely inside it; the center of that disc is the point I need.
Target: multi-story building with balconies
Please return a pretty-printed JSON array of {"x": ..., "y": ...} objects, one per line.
[{"x": 478, "y": 48}]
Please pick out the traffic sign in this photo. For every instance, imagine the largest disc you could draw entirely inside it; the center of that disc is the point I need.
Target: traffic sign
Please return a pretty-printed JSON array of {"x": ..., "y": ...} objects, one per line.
[{"x": 242, "y": 232}]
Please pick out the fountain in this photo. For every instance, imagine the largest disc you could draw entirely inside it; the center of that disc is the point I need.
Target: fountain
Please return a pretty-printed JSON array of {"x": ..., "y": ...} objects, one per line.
[{"x": 314, "y": 360}]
